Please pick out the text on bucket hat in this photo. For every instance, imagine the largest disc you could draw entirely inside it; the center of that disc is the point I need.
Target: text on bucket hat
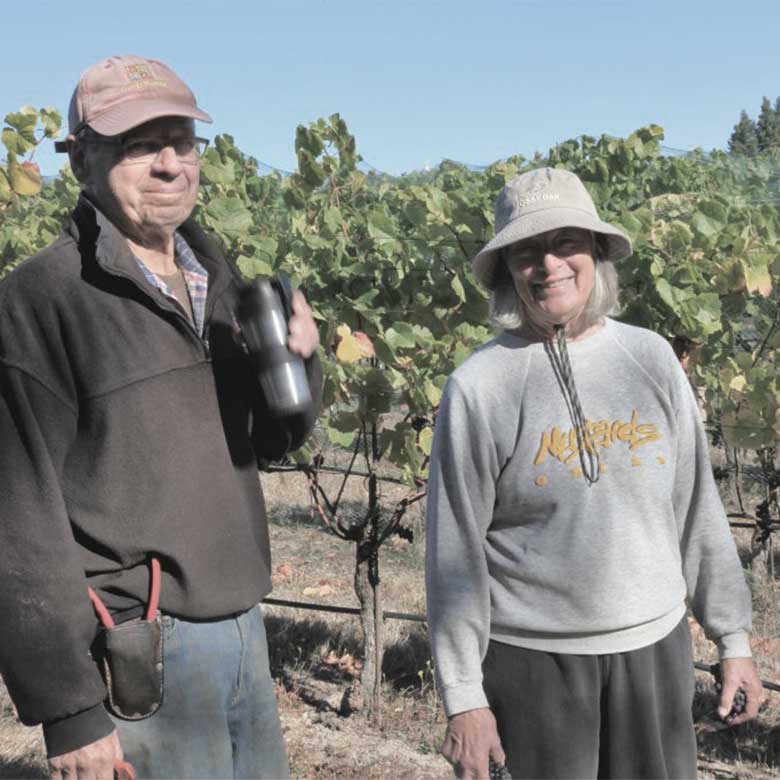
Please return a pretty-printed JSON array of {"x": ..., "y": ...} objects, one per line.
[
  {"x": 541, "y": 200},
  {"x": 120, "y": 93}
]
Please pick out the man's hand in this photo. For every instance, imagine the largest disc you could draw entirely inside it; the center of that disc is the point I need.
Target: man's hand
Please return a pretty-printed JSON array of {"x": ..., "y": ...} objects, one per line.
[
  {"x": 739, "y": 673},
  {"x": 91, "y": 762},
  {"x": 470, "y": 740},
  {"x": 304, "y": 336}
]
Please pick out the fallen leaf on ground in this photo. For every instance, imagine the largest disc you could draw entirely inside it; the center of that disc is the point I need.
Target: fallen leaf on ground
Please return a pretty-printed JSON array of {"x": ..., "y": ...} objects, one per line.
[
  {"x": 284, "y": 570},
  {"x": 322, "y": 590}
]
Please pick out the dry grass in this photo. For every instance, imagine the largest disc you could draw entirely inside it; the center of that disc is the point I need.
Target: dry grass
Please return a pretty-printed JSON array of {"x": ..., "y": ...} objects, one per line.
[
  {"x": 753, "y": 749},
  {"x": 21, "y": 748},
  {"x": 749, "y": 752},
  {"x": 312, "y": 565}
]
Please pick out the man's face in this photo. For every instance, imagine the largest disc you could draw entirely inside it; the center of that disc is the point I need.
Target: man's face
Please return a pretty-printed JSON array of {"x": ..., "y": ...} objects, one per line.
[{"x": 146, "y": 198}]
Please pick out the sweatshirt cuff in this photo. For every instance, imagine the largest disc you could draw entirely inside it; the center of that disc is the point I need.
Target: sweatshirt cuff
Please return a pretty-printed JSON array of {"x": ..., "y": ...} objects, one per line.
[
  {"x": 736, "y": 645},
  {"x": 459, "y": 698},
  {"x": 76, "y": 731}
]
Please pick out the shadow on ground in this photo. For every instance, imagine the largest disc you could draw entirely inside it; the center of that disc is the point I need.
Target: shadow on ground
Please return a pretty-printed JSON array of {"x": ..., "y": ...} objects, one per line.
[
  {"x": 11, "y": 769},
  {"x": 300, "y": 643}
]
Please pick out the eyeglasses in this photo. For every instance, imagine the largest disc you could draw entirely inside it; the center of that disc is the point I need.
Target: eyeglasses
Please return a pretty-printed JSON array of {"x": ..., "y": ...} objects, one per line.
[
  {"x": 137, "y": 149},
  {"x": 562, "y": 244}
]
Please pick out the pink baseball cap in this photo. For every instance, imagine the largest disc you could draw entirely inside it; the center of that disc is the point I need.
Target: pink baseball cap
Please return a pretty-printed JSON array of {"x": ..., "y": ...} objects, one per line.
[{"x": 120, "y": 93}]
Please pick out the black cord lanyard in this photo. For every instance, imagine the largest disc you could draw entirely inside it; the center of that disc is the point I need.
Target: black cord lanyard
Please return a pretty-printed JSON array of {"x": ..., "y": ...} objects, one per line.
[{"x": 589, "y": 456}]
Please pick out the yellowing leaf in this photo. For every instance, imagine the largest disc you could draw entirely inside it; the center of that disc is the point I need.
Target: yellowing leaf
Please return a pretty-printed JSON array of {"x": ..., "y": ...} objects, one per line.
[
  {"x": 365, "y": 343},
  {"x": 353, "y": 347},
  {"x": 284, "y": 571},
  {"x": 318, "y": 590},
  {"x": 426, "y": 440},
  {"x": 432, "y": 393},
  {"x": 24, "y": 180},
  {"x": 457, "y": 288},
  {"x": 738, "y": 383},
  {"x": 757, "y": 276},
  {"x": 349, "y": 349},
  {"x": 731, "y": 277}
]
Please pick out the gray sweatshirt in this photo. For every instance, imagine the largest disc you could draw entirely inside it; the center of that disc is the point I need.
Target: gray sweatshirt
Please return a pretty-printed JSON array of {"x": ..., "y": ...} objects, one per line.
[{"x": 521, "y": 550}]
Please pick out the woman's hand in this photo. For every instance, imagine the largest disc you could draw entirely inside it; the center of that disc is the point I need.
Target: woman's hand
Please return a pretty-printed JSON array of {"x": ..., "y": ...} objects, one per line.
[
  {"x": 472, "y": 739},
  {"x": 739, "y": 673}
]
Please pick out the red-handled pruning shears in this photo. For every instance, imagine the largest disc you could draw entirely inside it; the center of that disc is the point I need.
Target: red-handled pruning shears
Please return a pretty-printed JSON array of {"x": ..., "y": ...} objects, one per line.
[
  {"x": 151, "y": 610},
  {"x": 124, "y": 770}
]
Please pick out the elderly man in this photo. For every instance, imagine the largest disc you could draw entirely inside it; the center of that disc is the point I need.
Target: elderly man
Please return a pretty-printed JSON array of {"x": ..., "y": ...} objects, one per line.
[{"x": 132, "y": 425}]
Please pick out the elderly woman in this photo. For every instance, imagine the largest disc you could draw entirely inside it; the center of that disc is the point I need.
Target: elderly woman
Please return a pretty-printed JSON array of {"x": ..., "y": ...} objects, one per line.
[{"x": 572, "y": 515}]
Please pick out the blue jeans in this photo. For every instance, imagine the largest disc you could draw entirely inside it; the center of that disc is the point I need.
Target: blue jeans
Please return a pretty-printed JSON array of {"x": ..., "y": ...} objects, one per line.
[{"x": 218, "y": 717}]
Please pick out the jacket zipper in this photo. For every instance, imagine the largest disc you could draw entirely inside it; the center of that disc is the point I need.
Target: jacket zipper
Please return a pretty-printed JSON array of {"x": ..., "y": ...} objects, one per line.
[{"x": 164, "y": 304}]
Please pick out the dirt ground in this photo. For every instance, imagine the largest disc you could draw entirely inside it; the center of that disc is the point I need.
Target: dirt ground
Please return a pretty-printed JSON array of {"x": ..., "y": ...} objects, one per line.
[{"x": 315, "y": 659}]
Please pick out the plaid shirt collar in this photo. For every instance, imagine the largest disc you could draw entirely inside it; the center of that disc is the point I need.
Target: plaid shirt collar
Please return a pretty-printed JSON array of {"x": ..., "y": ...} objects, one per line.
[{"x": 195, "y": 277}]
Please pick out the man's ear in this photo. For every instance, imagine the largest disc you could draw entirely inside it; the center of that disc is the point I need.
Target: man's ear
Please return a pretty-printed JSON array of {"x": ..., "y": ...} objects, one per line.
[{"x": 77, "y": 152}]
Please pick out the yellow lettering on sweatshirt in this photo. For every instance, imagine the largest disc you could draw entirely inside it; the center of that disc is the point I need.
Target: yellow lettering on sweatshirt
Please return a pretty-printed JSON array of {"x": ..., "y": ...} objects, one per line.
[{"x": 564, "y": 447}]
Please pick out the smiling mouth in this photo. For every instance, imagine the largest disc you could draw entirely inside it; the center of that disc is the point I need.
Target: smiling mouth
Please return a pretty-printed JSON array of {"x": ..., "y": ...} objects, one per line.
[
  {"x": 552, "y": 285},
  {"x": 164, "y": 199}
]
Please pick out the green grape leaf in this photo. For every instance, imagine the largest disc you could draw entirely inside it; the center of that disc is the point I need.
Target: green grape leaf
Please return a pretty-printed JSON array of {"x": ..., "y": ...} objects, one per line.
[
  {"x": 230, "y": 214},
  {"x": 51, "y": 119},
  {"x": 15, "y": 142},
  {"x": 333, "y": 220},
  {"x": 457, "y": 288},
  {"x": 401, "y": 335},
  {"x": 251, "y": 267},
  {"x": 216, "y": 171},
  {"x": 24, "y": 122},
  {"x": 5, "y": 187},
  {"x": 746, "y": 428}
]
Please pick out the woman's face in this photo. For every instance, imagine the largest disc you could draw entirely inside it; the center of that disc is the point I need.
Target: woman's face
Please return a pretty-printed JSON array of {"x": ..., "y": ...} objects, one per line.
[{"x": 553, "y": 274}]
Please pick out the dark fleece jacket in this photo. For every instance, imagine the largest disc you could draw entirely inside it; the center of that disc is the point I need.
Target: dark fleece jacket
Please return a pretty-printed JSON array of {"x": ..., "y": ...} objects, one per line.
[{"x": 123, "y": 434}]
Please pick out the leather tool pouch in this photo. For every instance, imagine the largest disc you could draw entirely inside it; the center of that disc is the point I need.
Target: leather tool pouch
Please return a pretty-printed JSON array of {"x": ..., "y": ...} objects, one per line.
[{"x": 130, "y": 657}]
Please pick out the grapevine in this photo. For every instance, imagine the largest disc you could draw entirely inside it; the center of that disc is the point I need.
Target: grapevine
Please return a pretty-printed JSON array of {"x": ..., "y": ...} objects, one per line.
[{"x": 385, "y": 265}]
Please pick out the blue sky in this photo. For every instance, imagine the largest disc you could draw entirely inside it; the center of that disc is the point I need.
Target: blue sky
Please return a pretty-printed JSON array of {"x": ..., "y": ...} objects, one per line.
[{"x": 418, "y": 81}]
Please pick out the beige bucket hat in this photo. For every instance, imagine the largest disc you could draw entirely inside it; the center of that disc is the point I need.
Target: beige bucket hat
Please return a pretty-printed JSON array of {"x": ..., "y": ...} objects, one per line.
[{"x": 541, "y": 200}]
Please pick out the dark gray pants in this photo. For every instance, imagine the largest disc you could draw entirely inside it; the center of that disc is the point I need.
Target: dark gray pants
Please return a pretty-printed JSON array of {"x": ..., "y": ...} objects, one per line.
[{"x": 622, "y": 715}]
